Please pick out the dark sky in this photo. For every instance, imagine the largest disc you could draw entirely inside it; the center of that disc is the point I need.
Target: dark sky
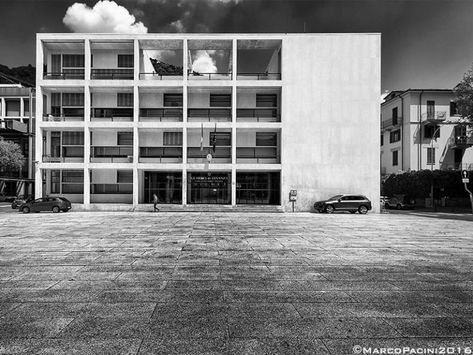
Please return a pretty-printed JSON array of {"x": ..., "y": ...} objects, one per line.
[{"x": 425, "y": 43}]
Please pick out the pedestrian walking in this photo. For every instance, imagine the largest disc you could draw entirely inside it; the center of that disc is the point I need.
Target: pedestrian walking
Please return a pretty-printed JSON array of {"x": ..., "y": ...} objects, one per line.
[{"x": 155, "y": 202}]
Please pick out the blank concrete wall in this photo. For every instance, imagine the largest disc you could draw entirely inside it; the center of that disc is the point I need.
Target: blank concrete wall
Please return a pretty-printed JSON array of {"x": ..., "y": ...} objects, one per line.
[{"x": 331, "y": 111}]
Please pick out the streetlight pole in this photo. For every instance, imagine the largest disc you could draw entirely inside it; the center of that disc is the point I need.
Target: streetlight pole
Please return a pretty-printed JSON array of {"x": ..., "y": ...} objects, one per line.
[{"x": 432, "y": 168}]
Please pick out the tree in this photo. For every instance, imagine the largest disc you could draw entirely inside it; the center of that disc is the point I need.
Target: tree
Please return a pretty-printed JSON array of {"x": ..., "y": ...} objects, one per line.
[
  {"x": 11, "y": 156},
  {"x": 464, "y": 96}
]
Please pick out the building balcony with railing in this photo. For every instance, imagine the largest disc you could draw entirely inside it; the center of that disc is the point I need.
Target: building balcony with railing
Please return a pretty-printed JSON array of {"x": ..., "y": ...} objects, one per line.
[
  {"x": 64, "y": 183},
  {"x": 160, "y": 146},
  {"x": 214, "y": 141},
  {"x": 63, "y": 146},
  {"x": 432, "y": 116},
  {"x": 112, "y": 105},
  {"x": 111, "y": 146},
  {"x": 258, "y": 105},
  {"x": 391, "y": 123},
  {"x": 112, "y": 60},
  {"x": 161, "y": 105},
  {"x": 258, "y": 147},
  {"x": 63, "y": 105},
  {"x": 205, "y": 105},
  {"x": 209, "y": 60},
  {"x": 161, "y": 59},
  {"x": 64, "y": 60},
  {"x": 264, "y": 56},
  {"x": 111, "y": 186}
]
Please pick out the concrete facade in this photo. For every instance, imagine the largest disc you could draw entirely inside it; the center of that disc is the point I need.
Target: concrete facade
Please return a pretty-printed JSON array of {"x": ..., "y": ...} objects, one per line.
[
  {"x": 323, "y": 124},
  {"x": 415, "y": 126}
]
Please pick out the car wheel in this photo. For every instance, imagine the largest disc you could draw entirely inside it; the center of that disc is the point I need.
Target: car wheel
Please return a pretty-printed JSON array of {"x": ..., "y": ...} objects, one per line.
[
  {"x": 398, "y": 206},
  {"x": 363, "y": 209},
  {"x": 25, "y": 210},
  {"x": 329, "y": 209},
  {"x": 56, "y": 209}
]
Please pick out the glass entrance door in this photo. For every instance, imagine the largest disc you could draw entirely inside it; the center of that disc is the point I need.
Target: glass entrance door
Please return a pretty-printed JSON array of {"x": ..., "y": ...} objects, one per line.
[
  {"x": 209, "y": 188},
  {"x": 166, "y": 185}
]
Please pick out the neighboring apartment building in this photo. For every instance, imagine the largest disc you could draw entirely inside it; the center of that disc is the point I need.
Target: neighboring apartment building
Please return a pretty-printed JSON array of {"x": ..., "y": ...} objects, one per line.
[
  {"x": 207, "y": 118},
  {"x": 420, "y": 129},
  {"x": 17, "y": 107}
]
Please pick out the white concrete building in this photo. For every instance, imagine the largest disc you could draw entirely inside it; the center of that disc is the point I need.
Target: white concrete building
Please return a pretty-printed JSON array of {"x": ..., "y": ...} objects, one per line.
[
  {"x": 420, "y": 129},
  {"x": 127, "y": 116}
]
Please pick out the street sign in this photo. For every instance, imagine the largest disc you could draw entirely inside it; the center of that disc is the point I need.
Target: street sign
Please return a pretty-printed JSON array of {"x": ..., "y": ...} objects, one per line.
[
  {"x": 466, "y": 181},
  {"x": 293, "y": 193}
]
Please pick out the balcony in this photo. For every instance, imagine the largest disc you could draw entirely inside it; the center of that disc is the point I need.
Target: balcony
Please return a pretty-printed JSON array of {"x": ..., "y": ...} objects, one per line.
[
  {"x": 14, "y": 126},
  {"x": 161, "y": 114},
  {"x": 70, "y": 154},
  {"x": 460, "y": 142},
  {"x": 67, "y": 114},
  {"x": 111, "y": 154},
  {"x": 434, "y": 116},
  {"x": 391, "y": 123},
  {"x": 209, "y": 114},
  {"x": 161, "y": 154},
  {"x": 221, "y": 154},
  {"x": 66, "y": 74},
  {"x": 209, "y": 76},
  {"x": 259, "y": 155},
  {"x": 162, "y": 76},
  {"x": 112, "y": 74},
  {"x": 118, "y": 114},
  {"x": 258, "y": 115}
]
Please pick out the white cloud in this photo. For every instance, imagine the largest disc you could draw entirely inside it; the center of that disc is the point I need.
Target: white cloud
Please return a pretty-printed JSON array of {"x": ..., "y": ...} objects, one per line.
[
  {"x": 104, "y": 17},
  {"x": 203, "y": 63},
  {"x": 177, "y": 26}
]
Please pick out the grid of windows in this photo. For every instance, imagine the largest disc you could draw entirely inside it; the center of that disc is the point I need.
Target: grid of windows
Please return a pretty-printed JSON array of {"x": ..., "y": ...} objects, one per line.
[
  {"x": 395, "y": 136},
  {"x": 72, "y": 99},
  {"x": 125, "y": 60},
  {"x": 73, "y": 61},
  {"x": 266, "y": 100},
  {"x": 72, "y": 138},
  {"x": 266, "y": 139},
  {"x": 221, "y": 138},
  {"x": 12, "y": 107},
  {"x": 220, "y": 100},
  {"x": 125, "y": 99},
  {"x": 125, "y": 138},
  {"x": 125, "y": 176},
  {"x": 174, "y": 100},
  {"x": 172, "y": 138}
]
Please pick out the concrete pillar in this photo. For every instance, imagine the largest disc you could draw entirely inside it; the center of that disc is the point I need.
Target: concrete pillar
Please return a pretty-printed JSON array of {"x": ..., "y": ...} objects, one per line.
[
  {"x": 136, "y": 60},
  {"x": 38, "y": 141},
  {"x": 87, "y": 59},
  {"x": 184, "y": 145},
  {"x": 86, "y": 187},
  {"x": 87, "y": 139}
]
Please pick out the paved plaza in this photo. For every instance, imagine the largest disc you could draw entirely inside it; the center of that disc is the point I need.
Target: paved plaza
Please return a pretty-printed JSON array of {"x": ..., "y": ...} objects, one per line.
[{"x": 232, "y": 283}]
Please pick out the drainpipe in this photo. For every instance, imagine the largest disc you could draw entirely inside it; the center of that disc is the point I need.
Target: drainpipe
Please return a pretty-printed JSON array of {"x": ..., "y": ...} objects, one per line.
[
  {"x": 419, "y": 145},
  {"x": 402, "y": 133}
]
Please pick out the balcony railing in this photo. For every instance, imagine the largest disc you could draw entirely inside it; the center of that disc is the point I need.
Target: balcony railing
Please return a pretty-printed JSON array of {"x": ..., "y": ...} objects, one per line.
[
  {"x": 111, "y": 114},
  {"x": 14, "y": 125},
  {"x": 112, "y": 74},
  {"x": 161, "y": 114},
  {"x": 258, "y": 76},
  {"x": 434, "y": 116},
  {"x": 257, "y": 155},
  {"x": 156, "y": 76},
  {"x": 65, "y": 74},
  {"x": 460, "y": 142},
  {"x": 161, "y": 154},
  {"x": 63, "y": 159},
  {"x": 221, "y": 154},
  {"x": 51, "y": 118},
  {"x": 258, "y": 115},
  {"x": 210, "y": 76},
  {"x": 391, "y": 123},
  {"x": 122, "y": 154},
  {"x": 209, "y": 114},
  {"x": 120, "y": 188}
]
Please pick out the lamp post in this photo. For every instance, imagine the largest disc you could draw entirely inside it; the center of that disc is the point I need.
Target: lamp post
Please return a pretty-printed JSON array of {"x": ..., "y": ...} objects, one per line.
[{"x": 432, "y": 168}]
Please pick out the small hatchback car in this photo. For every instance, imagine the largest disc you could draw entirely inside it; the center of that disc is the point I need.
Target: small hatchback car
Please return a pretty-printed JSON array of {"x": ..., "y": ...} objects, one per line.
[
  {"x": 346, "y": 202},
  {"x": 54, "y": 204}
]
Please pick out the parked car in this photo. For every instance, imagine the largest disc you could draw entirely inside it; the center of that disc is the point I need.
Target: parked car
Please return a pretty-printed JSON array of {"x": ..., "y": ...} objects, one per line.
[
  {"x": 54, "y": 204},
  {"x": 345, "y": 202},
  {"x": 19, "y": 200},
  {"x": 5, "y": 197},
  {"x": 396, "y": 203}
]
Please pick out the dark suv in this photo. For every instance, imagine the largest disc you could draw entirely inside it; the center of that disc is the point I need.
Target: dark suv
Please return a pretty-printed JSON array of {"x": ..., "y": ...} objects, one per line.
[
  {"x": 346, "y": 202},
  {"x": 54, "y": 204}
]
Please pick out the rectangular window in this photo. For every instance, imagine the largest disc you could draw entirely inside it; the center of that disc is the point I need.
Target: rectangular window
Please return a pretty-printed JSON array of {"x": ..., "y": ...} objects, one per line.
[
  {"x": 125, "y": 176},
  {"x": 266, "y": 100},
  {"x": 430, "y": 110},
  {"x": 72, "y": 176},
  {"x": 395, "y": 136},
  {"x": 223, "y": 139},
  {"x": 125, "y": 138},
  {"x": 453, "y": 108},
  {"x": 12, "y": 107},
  {"x": 55, "y": 181},
  {"x": 55, "y": 63},
  {"x": 72, "y": 138},
  {"x": 429, "y": 131},
  {"x": 394, "y": 116},
  {"x": 125, "y": 60},
  {"x": 172, "y": 138},
  {"x": 125, "y": 99},
  {"x": 430, "y": 156},
  {"x": 382, "y": 139},
  {"x": 395, "y": 158},
  {"x": 266, "y": 139},
  {"x": 174, "y": 100},
  {"x": 73, "y": 61},
  {"x": 73, "y": 99},
  {"x": 26, "y": 107},
  {"x": 220, "y": 100}
]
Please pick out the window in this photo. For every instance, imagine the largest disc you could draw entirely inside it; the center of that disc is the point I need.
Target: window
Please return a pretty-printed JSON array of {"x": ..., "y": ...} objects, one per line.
[
  {"x": 430, "y": 110},
  {"x": 394, "y": 116},
  {"x": 73, "y": 61},
  {"x": 12, "y": 107},
  {"x": 266, "y": 139},
  {"x": 125, "y": 99},
  {"x": 220, "y": 100},
  {"x": 172, "y": 100},
  {"x": 55, "y": 181},
  {"x": 266, "y": 100},
  {"x": 172, "y": 138},
  {"x": 72, "y": 176},
  {"x": 125, "y": 60},
  {"x": 26, "y": 107},
  {"x": 395, "y": 136},
  {"x": 72, "y": 99},
  {"x": 395, "y": 157},
  {"x": 125, "y": 138},
  {"x": 429, "y": 131},
  {"x": 382, "y": 139},
  {"x": 430, "y": 156},
  {"x": 453, "y": 108},
  {"x": 221, "y": 138},
  {"x": 124, "y": 176},
  {"x": 73, "y": 138}
]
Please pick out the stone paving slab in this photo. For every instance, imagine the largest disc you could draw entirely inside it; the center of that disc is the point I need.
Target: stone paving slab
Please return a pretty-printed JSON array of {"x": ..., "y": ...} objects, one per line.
[{"x": 232, "y": 283}]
